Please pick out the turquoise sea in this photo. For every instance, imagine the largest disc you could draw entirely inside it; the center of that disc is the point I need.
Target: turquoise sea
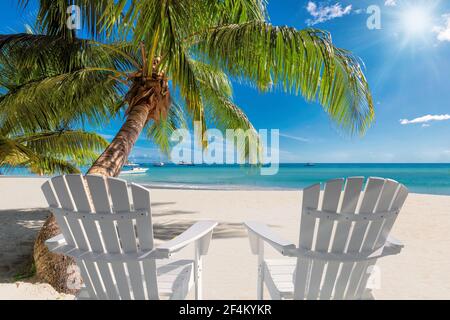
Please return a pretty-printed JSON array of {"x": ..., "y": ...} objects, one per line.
[{"x": 419, "y": 178}]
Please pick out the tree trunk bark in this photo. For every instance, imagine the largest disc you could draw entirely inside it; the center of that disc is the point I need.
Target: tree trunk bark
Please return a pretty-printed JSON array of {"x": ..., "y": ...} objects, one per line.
[
  {"x": 57, "y": 269},
  {"x": 116, "y": 154},
  {"x": 51, "y": 268}
]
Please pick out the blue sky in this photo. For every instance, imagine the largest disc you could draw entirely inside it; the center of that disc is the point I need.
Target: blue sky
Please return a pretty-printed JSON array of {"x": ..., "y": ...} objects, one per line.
[{"x": 407, "y": 67}]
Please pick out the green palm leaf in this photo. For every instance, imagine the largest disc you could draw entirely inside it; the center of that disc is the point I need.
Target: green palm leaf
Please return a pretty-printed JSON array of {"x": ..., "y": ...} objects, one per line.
[
  {"x": 304, "y": 62},
  {"x": 49, "y": 152},
  {"x": 161, "y": 132}
]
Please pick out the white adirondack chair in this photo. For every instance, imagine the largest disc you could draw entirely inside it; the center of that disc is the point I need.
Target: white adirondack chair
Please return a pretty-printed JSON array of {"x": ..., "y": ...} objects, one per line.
[
  {"x": 107, "y": 228},
  {"x": 343, "y": 231}
]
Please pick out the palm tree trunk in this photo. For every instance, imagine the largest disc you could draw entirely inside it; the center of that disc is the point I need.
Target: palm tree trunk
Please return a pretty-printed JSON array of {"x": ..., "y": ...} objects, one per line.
[{"x": 116, "y": 154}]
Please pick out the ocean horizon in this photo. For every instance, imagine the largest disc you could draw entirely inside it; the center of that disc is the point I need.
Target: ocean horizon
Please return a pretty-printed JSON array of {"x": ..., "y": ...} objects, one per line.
[{"x": 426, "y": 178}]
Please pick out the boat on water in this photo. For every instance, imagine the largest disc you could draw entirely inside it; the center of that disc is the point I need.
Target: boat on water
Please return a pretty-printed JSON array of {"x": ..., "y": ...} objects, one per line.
[
  {"x": 135, "y": 171},
  {"x": 309, "y": 164},
  {"x": 133, "y": 168},
  {"x": 131, "y": 164},
  {"x": 182, "y": 163},
  {"x": 158, "y": 164}
]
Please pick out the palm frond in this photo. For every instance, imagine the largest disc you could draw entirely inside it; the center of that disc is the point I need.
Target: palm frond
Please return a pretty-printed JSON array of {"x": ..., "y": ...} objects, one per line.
[
  {"x": 49, "y": 152},
  {"x": 240, "y": 11},
  {"x": 220, "y": 111},
  {"x": 161, "y": 132},
  {"x": 43, "y": 53},
  {"x": 69, "y": 143},
  {"x": 50, "y": 166},
  {"x": 184, "y": 77},
  {"x": 47, "y": 103},
  {"x": 304, "y": 62},
  {"x": 13, "y": 153},
  {"x": 55, "y": 81}
]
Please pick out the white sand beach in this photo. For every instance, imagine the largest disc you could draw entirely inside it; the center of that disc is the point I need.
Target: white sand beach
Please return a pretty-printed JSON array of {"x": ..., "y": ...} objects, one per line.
[{"x": 421, "y": 271}]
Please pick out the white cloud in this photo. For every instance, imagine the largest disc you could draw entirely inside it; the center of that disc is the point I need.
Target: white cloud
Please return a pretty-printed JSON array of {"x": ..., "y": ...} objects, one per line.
[
  {"x": 322, "y": 13},
  {"x": 301, "y": 139},
  {"x": 390, "y": 3},
  {"x": 426, "y": 119},
  {"x": 443, "y": 32}
]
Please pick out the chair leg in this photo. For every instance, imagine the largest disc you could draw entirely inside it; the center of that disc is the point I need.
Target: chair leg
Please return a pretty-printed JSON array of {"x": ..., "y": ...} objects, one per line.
[
  {"x": 260, "y": 283},
  {"x": 198, "y": 273},
  {"x": 367, "y": 295}
]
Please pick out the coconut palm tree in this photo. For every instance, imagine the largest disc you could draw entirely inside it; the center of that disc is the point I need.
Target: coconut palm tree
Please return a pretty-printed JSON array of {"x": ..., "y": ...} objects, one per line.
[
  {"x": 138, "y": 56},
  {"x": 193, "y": 48}
]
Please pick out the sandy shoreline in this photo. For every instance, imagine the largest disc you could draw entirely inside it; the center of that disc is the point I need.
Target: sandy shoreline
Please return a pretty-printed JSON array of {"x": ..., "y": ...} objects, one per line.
[{"x": 419, "y": 272}]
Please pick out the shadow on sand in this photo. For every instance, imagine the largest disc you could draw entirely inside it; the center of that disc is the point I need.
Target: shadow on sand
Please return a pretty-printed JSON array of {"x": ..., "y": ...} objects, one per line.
[
  {"x": 18, "y": 230},
  {"x": 169, "y": 230}
]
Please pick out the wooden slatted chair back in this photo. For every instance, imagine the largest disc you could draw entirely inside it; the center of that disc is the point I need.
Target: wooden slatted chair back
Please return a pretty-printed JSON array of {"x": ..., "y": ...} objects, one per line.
[
  {"x": 110, "y": 225},
  {"x": 344, "y": 219}
]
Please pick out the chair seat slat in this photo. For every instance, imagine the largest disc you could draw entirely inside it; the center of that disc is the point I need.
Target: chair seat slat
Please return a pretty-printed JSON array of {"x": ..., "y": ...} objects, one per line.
[
  {"x": 350, "y": 217},
  {"x": 102, "y": 216}
]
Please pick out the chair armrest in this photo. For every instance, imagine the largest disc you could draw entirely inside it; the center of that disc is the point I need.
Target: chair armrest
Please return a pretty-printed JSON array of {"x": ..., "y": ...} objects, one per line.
[
  {"x": 55, "y": 242},
  {"x": 261, "y": 231},
  {"x": 201, "y": 230},
  {"x": 394, "y": 242},
  {"x": 392, "y": 246}
]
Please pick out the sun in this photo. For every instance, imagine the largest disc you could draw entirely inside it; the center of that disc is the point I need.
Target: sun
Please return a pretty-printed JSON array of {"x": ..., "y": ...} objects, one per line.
[
  {"x": 414, "y": 24},
  {"x": 416, "y": 21}
]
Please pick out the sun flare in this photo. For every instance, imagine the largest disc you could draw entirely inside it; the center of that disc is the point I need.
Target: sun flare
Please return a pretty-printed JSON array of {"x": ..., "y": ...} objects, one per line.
[{"x": 416, "y": 21}]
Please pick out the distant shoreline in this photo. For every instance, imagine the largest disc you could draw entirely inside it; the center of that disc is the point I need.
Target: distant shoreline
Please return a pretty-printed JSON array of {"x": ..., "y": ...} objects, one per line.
[
  {"x": 216, "y": 187},
  {"x": 431, "y": 179},
  {"x": 209, "y": 187}
]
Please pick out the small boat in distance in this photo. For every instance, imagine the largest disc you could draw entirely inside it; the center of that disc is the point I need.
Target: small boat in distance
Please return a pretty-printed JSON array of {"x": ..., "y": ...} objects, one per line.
[
  {"x": 182, "y": 163},
  {"x": 135, "y": 171},
  {"x": 158, "y": 164},
  {"x": 133, "y": 168},
  {"x": 131, "y": 164},
  {"x": 309, "y": 164}
]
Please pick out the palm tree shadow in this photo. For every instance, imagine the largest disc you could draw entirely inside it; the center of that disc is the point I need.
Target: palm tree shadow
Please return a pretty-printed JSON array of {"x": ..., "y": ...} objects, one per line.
[
  {"x": 171, "y": 213},
  {"x": 157, "y": 204},
  {"x": 169, "y": 230},
  {"x": 18, "y": 231},
  {"x": 229, "y": 230},
  {"x": 162, "y": 212}
]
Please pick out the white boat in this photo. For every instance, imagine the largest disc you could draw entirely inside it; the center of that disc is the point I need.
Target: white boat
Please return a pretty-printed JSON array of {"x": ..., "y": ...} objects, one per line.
[
  {"x": 135, "y": 170},
  {"x": 182, "y": 163},
  {"x": 131, "y": 164},
  {"x": 158, "y": 164}
]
